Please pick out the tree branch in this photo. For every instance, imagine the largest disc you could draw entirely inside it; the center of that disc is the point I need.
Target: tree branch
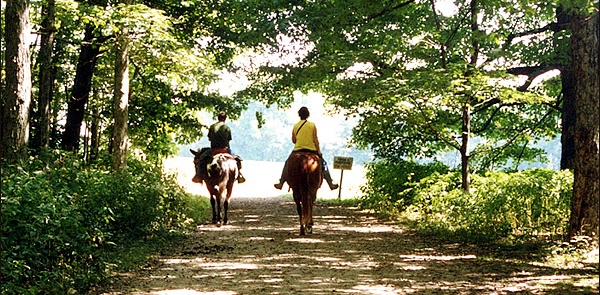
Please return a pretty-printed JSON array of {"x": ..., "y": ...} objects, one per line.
[{"x": 388, "y": 10}]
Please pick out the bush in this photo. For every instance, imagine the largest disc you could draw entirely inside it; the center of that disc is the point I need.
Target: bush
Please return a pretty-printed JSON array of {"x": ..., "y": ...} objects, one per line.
[
  {"x": 387, "y": 183},
  {"x": 60, "y": 220},
  {"x": 522, "y": 205}
]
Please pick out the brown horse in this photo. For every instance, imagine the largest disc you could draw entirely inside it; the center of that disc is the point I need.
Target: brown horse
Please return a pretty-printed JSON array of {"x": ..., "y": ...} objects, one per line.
[
  {"x": 304, "y": 176},
  {"x": 219, "y": 171}
]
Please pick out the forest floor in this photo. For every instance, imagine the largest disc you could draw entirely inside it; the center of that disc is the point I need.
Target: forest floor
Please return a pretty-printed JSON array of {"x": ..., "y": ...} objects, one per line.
[{"x": 351, "y": 251}]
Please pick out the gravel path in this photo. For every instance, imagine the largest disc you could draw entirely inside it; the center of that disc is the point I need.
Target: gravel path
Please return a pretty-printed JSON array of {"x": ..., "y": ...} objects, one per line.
[{"x": 260, "y": 252}]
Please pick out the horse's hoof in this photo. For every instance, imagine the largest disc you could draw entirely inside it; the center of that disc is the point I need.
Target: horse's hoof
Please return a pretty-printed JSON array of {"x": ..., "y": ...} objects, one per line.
[{"x": 309, "y": 229}]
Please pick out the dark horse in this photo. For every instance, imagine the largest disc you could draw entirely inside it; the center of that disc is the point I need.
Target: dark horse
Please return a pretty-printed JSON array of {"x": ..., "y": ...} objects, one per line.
[
  {"x": 219, "y": 170},
  {"x": 304, "y": 176}
]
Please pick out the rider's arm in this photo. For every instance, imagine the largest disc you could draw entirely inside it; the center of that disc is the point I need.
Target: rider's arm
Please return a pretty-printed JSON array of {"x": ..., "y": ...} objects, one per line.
[
  {"x": 316, "y": 141},
  {"x": 293, "y": 136}
]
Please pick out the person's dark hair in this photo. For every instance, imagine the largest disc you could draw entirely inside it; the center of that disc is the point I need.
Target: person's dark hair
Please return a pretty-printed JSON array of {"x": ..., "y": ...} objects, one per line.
[
  {"x": 303, "y": 113},
  {"x": 222, "y": 116}
]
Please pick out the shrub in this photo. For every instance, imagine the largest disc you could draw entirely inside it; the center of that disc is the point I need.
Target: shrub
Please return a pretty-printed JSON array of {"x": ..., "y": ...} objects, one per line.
[
  {"x": 61, "y": 217},
  {"x": 387, "y": 182},
  {"x": 521, "y": 205}
]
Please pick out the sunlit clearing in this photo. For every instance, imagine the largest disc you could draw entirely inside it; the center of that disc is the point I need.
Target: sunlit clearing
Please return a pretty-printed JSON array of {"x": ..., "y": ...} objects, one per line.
[{"x": 192, "y": 292}]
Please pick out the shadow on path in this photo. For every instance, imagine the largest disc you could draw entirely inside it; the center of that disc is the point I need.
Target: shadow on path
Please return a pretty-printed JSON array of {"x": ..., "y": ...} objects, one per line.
[{"x": 260, "y": 252}]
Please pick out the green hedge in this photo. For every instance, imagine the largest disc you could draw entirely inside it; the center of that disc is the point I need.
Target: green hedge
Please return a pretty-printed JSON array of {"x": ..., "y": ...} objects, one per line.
[{"x": 61, "y": 220}]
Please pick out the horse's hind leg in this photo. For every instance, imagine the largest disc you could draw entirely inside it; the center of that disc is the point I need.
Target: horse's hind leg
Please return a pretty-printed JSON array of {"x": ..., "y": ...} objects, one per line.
[
  {"x": 226, "y": 206},
  {"x": 299, "y": 210},
  {"x": 309, "y": 215},
  {"x": 214, "y": 209},
  {"x": 306, "y": 216}
]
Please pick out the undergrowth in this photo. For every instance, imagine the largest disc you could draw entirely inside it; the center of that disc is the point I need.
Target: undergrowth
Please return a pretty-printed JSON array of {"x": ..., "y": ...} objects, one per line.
[
  {"x": 517, "y": 207},
  {"x": 65, "y": 221}
]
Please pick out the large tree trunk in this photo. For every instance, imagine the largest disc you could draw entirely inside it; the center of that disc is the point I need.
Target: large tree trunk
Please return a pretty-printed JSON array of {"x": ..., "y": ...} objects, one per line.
[
  {"x": 121, "y": 103},
  {"x": 41, "y": 138},
  {"x": 568, "y": 115},
  {"x": 81, "y": 90},
  {"x": 14, "y": 121},
  {"x": 586, "y": 185},
  {"x": 567, "y": 138}
]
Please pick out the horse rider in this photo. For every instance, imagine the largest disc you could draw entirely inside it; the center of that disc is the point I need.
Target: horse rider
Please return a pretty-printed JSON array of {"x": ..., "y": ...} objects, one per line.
[
  {"x": 304, "y": 137},
  {"x": 219, "y": 136}
]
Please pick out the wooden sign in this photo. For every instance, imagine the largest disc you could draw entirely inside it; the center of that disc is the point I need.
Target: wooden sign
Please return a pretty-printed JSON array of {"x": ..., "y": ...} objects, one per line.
[{"x": 344, "y": 163}]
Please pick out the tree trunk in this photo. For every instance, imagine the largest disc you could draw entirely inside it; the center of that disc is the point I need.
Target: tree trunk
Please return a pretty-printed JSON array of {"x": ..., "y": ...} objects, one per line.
[
  {"x": 464, "y": 148},
  {"x": 94, "y": 132},
  {"x": 586, "y": 188},
  {"x": 567, "y": 138},
  {"x": 41, "y": 138},
  {"x": 568, "y": 115},
  {"x": 121, "y": 103},
  {"x": 14, "y": 133},
  {"x": 86, "y": 64}
]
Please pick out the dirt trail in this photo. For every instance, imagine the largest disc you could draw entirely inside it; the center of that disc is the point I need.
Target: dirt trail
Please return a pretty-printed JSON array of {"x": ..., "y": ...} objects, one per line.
[{"x": 260, "y": 252}]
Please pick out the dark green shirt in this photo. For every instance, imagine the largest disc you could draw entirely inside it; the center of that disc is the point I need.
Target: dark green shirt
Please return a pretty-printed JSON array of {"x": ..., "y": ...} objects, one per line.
[{"x": 219, "y": 135}]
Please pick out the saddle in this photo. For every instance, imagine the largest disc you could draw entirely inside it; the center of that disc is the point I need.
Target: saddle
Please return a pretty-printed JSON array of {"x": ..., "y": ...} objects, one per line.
[{"x": 217, "y": 151}]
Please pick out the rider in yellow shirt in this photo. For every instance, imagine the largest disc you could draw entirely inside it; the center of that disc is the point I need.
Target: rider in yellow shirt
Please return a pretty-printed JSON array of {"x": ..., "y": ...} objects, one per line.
[{"x": 304, "y": 137}]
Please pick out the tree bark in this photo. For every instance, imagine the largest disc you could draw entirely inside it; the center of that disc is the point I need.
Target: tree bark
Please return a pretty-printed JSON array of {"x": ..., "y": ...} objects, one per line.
[
  {"x": 121, "y": 103},
  {"x": 586, "y": 185},
  {"x": 86, "y": 64},
  {"x": 464, "y": 148},
  {"x": 568, "y": 115},
  {"x": 14, "y": 133},
  {"x": 41, "y": 138},
  {"x": 567, "y": 138}
]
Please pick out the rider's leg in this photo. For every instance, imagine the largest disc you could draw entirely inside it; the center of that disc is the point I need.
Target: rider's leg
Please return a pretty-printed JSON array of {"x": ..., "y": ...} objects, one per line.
[
  {"x": 332, "y": 184},
  {"x": 238, "y": 159},
  {"x": 241, "y": 178},
  {"x": 282, "y": 179}
]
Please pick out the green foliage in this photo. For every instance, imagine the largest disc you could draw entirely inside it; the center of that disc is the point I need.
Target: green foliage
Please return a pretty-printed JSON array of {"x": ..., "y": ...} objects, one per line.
[
  {"x": 61, "y": 220},
  {"x": 530, "y": 204},
  {"x": 387, "y": 183}
]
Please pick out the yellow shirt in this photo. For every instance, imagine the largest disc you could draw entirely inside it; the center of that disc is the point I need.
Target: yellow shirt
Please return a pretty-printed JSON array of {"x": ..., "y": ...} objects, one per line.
[{"x": 304, "y": 137}]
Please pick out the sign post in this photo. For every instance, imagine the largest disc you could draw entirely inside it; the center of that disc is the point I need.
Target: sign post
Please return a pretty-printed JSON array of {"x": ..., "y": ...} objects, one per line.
[{"x": 343, "y": 163}]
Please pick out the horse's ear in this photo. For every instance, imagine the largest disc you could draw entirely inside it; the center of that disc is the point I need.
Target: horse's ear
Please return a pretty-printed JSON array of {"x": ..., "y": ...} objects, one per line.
[{"x": 194, "y": 152}]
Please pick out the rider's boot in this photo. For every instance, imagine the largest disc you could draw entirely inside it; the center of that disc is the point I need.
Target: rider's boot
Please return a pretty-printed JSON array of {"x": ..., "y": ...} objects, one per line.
[
  {"x": 332, "y": 184},
  {"x": 241, "y": 178},
  {"x": 282, "y": 179}
]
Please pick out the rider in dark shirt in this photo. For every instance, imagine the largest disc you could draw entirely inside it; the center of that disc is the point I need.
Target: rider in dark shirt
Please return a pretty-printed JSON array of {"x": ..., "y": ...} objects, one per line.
[{"x": 219, "y": 136}]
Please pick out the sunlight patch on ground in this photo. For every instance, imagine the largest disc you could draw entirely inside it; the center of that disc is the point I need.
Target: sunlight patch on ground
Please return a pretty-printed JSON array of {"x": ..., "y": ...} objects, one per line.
[
  {"x": 305, "y": 240},
  {"x": 378, "y": 289},
  {"x": 229, "y": 266},
  {"x": 372, "y": 229},
  {"x": 192, "y": 292},
  {"x": 437, "y": 258}
]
